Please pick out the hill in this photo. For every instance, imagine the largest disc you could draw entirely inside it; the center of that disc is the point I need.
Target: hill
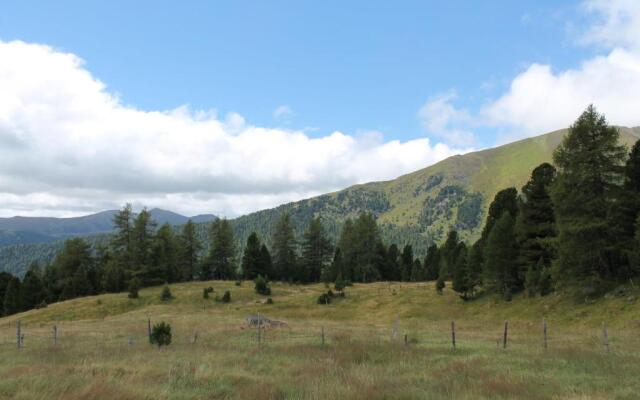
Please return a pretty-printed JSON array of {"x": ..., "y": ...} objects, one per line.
[
  {"x": 418, "y": 208},
  {"x": 102, "y": 343}
]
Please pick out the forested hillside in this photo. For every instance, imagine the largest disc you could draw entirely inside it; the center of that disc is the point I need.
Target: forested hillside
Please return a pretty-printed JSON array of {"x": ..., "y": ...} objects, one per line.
[{"x": 417, "y": 209}]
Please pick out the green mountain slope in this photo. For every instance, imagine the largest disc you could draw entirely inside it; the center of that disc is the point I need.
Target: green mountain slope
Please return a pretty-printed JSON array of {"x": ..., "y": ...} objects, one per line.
[{"x": 418, "y": 208}]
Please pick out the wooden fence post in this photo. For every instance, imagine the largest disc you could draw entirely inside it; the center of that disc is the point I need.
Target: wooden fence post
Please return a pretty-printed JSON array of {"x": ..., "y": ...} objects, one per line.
[
  {"x": 605, "y": 336},
  {"x": 55, "y": 335},
  {"x": 406, "y": 340},
  {"x": 453, "y": 334},
  {"x": 19, "y": 335},
  {"x": 259, "y": 323},
  {"x": 149, "y": 329},
  {"x": 544, "y": 332},
  {"x": 504, "y": 337}
]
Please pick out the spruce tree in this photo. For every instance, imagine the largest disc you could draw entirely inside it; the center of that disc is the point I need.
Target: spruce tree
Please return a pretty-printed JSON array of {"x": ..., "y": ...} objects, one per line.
[
  {"x": 449, "y": 255},
  {"x": 284, "y": 250},
  {"x": 164, "y": 257},
  {"x": 265, "y": 265},
  {"x": 11, "y": 304},
  {"x": 406, "y": 262},
  {"x": 589, "y": 162},
  {"x": 121, "y": 240},
  {"x": 32, "y": 291},
  {"x": 142, "y": 236},
  {"x": 394, "y": 273},
  {"x": 221, "y": 259},
  {"x": 432, "y": 263},
  {"x": 417, "y": 271},
  {"x": 535, "y": 226},
  {"x": 500, "y": 268},
  {"x": 316, "y": 251},
  {"x": 460, "y": 279},
  {"x": 189, "y": 250},
  {"x": 5, "y": 277},
  {"x": 251, "y": 257}
]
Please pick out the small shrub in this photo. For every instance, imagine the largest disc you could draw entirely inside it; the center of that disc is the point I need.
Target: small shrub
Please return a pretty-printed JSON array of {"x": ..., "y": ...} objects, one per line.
[
  {"x": 340, "y": 284},
  {"x": 238, "y": 283},
  {"x": 324, "y": 298},
  {"x": 161, "y": 334},
  {"x": 166, "y": 294},
  {"x": 330, "y": 293},
  {"x": 134, "y": 287},
  {"x": 206, "y": 291},
  {"x": 226, "y": 297},
  {"x": 262, "y": 286},
  {"x": 269, "y": 300}
]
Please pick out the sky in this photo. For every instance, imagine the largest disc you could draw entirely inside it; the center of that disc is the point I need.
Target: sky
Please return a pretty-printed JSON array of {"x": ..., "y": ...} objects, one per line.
[{"x": 229, "y": 107}]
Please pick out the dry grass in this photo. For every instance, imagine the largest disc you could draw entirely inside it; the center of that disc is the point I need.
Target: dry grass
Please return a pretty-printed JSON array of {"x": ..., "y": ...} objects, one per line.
[{"x": 103, "y": 351}]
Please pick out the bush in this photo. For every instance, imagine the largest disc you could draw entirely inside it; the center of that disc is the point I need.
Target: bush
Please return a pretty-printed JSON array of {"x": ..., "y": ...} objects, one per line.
[
  {"x": 226, "y": 297},
  {"x": 161, "y": 334},
  {"x": 324, "y": 298},
  {"x": 166, "y": 294},
  {"x": 262, "y": 286},
  {"x": 206, "y": 291},
  {"x": 269, "y": 300},
  {"x": 340, "y": 284},
  {"x": 134, "y": 287},
  {"x": 238, "y": 283}
]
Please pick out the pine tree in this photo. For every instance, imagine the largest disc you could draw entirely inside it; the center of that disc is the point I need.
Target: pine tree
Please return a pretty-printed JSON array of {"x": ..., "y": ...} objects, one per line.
[
  {"x": 188, "y": 249},
  {"x": 164, "y": 257},
  {"x": 284, "y": 250},
  {"x": 461, "y": 279},
  {"x": 394, "y": 273},
  {"x": 5, "y": 278},
  {"x": 406, "y": 262},
  {"x": 449, "y": 255},
  {"x": 32, "y": 291},
  {"x": 265, "y": 266},
  {"x": 220, "y": 263},
  {"x": 316, "y": 251},
  {"x": 12, "y": 297},
  {"x": 251, "y": 257},
  {"x": 432, "y": 263},
  {"x": 535, "y": 226},
  {"x": 69, "y": 272},
  {"x": 121, "y": 240},
  {"x": 500, "y": 268},
  {"x": 417, "y": 272},
  {"x": 142, "y": 236},
  {"x": 589, "y": 162}
]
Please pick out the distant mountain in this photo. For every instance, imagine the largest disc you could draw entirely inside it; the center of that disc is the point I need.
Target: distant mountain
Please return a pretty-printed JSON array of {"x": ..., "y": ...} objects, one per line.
[
  {"x": 26, "y": 230},
  {"x": 418, "y": 208}
]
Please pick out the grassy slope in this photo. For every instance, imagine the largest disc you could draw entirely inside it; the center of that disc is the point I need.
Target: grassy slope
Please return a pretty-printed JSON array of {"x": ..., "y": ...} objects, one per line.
[{"x": 360, "y": 360}]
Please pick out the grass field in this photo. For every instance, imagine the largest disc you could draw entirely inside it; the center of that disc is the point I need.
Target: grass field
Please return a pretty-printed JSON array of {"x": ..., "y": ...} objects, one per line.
[{"x": 103, "y": 351}]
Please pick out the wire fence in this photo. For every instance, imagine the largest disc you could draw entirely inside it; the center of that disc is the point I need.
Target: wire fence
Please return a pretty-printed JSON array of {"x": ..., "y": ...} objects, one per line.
[{"x": 456, "y": 335}]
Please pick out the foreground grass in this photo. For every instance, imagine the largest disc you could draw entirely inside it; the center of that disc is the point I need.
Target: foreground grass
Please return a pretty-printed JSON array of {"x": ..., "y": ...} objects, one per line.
[{"x": 103, "y": 352}]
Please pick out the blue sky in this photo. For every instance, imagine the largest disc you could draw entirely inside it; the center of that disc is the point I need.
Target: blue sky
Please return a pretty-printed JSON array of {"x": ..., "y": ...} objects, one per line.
[
  {"x": 337, "y": 65},
  {"x": 231, "y": 107}
]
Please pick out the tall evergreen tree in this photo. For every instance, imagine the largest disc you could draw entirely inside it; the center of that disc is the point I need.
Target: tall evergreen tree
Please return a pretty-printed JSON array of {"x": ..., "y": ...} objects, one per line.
[
  {"x": 316, "y": 251},
  {"x": 461, "y": 281},
  {"x": 432, "y": 263},
  {"x": 535, "y": 226},
  {"x": 221, "y": 259},
  {"x": 393, "y": 271},
  {"x": 449, "y": 255},
  {"x": 11, "y": 304},
  {"x": 251, "y": 257},
  {"x": 32, "y": 291},
  {"x": 265, "y": 266},
  {"x": 406, "y": 262},
  {"x": 284, "y": 250},
  {"x": 500, "y": 269},
  {"x": 70, "y": 277},
  {"x": 5, "y": 278},
  {"x": 121, "y": 240},
  {"x": 142, "y": 236},
  {"x": 589, "y": 161},
  {"x": 164, "y": 257},
  {"x": 189, "y": 250}
]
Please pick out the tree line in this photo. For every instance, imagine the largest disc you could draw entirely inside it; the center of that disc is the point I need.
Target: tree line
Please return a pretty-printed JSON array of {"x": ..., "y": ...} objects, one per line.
[{"x": 574, "y": 226}]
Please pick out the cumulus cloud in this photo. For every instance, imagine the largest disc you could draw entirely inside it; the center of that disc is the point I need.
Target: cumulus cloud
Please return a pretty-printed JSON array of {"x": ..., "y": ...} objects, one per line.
[
  {"x": 541, "y": 99},
  {"x": 69, "y": 146},
  {"x": 441, "y": 118}
]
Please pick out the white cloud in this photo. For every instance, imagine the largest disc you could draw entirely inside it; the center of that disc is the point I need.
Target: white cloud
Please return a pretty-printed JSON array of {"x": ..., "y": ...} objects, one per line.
[
  {"x": 69, "y": 146},
  {"x": 441, "y": 118},
  {"x": 282, "y": 112},
  {"x": 541, "y": 99}
]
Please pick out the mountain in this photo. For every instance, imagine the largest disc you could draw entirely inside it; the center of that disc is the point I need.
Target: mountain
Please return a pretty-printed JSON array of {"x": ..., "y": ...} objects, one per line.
[
  {"x": 421, "y": 207},
  {"x": 26, "y": 230},
  {"x": 418, "y": 208}
]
